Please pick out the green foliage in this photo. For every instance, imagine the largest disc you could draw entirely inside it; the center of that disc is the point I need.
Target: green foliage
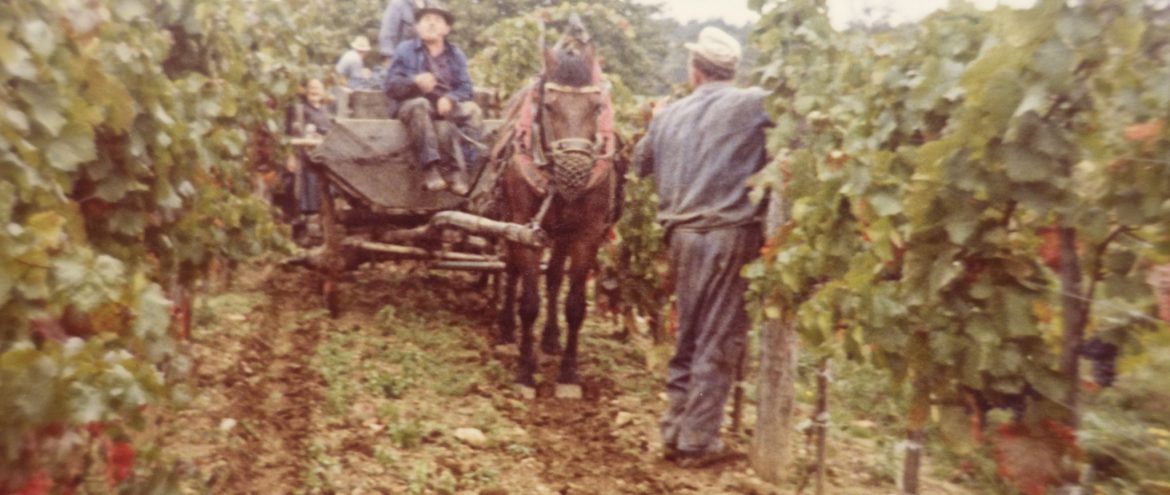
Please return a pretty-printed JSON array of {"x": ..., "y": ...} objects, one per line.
[
  {"x": 508, "y": 53},
  {"x": 634, "y": 268},
  {"x": 921, "y": 166},
  {"x": 1126, "y": 434},
  {"x": 124, "y": 168}
]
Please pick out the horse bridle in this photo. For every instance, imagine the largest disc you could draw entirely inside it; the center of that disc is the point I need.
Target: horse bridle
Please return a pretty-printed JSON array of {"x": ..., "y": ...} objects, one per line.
[{"x": 561, "y": 148}]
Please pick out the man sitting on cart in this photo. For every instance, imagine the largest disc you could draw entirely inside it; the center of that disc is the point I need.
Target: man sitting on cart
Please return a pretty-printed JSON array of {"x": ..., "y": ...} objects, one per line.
[{"x": 428, "y": 79}]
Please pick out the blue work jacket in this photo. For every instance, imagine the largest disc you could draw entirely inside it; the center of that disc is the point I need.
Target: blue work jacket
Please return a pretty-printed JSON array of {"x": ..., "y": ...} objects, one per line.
[
  {"x": 702, "y": 149},
  {"x": 410, "y": 60}
]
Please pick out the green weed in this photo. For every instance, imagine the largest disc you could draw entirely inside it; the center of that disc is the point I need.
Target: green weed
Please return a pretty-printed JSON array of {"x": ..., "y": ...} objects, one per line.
[
  {"x": 406, "y": 434},
  {"x": 333, "y": 361},
  {"x": 425, "y": 478},
  {"x": 390, "y": 385},
  {"x": 520, "y": 450},
  {"x": 322, "y": 467}
]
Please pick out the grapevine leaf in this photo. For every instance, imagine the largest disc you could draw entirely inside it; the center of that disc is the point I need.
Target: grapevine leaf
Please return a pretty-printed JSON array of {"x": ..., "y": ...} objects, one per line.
[
  {"x": 1026, "y": 165},
  {"x": 944, "y": 270},
  {"x": 1036, "y": 99},
  {"x": 7, "y": 202},
  {"x": 46, "y": 110},
  {"x": 15, "y": 59},
  {"x": 1049, "y": 383},
  {"x": 153, "y": 310},
  {"x": 87, "y": 404},
  {"x": 69, "y": 272},
  {"x": 7, "y": 284},
  {"x": 1054, "y": 61},
  {"x": 16, "y": 119},
  {"x": 885, "y": 204},
  {"x": 73, "y": 147},
  {"x": 961, "y": 224},
  {"x": 128, "y": 10},
  {"x": 39, "y": 37},
  {"x": 955, "y": 427},
  {"x": 1018, "y": 316}
]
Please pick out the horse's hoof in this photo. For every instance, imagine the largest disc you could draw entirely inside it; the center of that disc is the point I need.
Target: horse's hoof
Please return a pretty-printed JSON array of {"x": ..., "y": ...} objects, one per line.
[
  {"x": 525, "y": 392},
  {"x": 569, "y": 391},
  {"x": 507, "y": 350}
]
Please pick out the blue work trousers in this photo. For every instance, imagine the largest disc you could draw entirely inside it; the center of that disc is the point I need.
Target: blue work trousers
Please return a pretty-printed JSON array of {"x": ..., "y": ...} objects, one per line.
[
  {"x": 712, "y": 332},
  {"x": 308, "y": 185}
]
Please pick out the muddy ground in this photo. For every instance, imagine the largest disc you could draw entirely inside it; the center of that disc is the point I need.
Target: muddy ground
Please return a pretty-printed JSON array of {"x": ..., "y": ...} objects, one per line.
[{"x": 404, "y": 393}]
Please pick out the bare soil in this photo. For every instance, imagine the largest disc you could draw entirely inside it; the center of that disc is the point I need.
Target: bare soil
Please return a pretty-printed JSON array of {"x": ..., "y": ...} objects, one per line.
[{"x": 288, "y": 400}]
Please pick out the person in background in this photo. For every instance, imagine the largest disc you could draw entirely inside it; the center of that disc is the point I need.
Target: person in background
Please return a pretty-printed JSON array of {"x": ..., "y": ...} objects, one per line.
[
  {"x": 701, "y": 150},
  {"x": 397, "y": 25},
  {"x": 352, "y": 66},
  {"x": 309, "y": 116},
  {"x": 428, "y": 78}
]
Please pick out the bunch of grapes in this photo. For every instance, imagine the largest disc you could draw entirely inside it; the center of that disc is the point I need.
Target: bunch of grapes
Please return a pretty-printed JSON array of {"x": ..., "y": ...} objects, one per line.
[{"x": 1103, "y": 355}]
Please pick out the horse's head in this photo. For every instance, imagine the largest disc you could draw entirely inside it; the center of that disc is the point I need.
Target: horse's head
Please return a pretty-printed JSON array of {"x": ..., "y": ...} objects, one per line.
[
  {"x": 571, "y": 99},
  {"x": 572, "y": 102}
]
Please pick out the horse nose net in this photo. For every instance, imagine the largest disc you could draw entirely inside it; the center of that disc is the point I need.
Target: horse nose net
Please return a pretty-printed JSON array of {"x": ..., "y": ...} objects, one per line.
[{"x": 571, "y": 172}]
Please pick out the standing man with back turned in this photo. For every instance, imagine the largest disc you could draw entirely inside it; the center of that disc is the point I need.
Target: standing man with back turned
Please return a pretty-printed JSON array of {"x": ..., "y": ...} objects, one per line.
[{"x": 701, "y": 150}]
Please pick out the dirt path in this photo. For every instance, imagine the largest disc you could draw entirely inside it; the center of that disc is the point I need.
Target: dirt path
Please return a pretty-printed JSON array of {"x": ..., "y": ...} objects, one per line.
[
  {"x": 404, "y": 394},
  {"x": 253, "y": 412},
  {"x": 275, "y": 389}
]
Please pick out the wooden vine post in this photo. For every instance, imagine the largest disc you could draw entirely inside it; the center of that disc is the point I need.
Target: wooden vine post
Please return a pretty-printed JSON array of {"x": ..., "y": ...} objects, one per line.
[
  {"x": 771, "y": 442},
  {"x": 821, "y": 421},
  {"x": 916, "y": 434}
]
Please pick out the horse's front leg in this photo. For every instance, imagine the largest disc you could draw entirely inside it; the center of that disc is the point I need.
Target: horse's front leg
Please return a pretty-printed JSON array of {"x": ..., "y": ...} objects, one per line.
[
  {"x": 507, "y": 316},
  {"x": 550, "y": 339},
  {"x": 528, "y": 264},
  {"x": 583, "y": 256}
]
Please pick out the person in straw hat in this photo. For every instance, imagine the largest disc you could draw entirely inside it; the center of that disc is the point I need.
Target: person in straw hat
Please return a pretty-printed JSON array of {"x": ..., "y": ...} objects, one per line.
[
  {"x": 352, "y": 66},
  {"x": 701, "y": 150}
]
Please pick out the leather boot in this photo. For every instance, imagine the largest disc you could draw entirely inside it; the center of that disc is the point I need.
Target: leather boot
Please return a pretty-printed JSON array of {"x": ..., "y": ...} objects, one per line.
[
  {"x": 459, "y": 183},
  {"x": 433, "y": 181}
]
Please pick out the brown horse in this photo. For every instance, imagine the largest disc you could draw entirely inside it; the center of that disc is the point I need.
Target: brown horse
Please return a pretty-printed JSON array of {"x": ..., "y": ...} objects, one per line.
[{"x": 569, "y": 191}]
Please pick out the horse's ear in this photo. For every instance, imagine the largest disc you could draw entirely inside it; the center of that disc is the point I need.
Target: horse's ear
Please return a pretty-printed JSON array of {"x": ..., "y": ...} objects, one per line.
[{"x": 550, "y": 61}]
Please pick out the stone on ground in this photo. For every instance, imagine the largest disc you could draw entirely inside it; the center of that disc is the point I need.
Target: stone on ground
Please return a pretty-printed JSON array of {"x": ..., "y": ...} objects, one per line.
[
  {"x": 471, "y": 436},
  {"x": 526, "y": 392},
  {"x": 571, "y": 392},
  {"x": 623, "y": 418}
]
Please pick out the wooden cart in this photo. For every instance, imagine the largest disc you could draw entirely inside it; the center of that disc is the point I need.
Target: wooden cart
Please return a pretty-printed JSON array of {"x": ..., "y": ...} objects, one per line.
[{"x": 374, "y": 206}]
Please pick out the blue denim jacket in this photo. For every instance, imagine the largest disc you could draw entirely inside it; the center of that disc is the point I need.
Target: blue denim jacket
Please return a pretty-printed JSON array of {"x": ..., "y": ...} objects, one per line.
[
  {"x": 410, "y": 59},
  {"x": 702, "y": 149}
]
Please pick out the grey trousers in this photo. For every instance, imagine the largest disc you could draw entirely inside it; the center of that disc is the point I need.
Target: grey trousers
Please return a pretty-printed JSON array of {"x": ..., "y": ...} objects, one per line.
[
  {"x": 712, "y": 332},
  {"x": 430, "y": 142}
]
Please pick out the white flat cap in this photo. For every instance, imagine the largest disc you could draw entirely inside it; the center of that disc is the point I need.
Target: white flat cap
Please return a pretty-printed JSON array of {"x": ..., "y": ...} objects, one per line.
[{"x": 717, "y": 47}]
